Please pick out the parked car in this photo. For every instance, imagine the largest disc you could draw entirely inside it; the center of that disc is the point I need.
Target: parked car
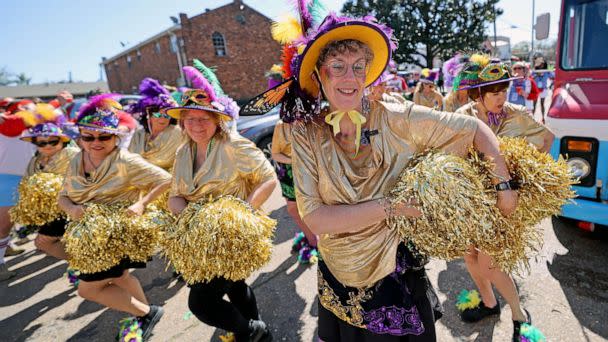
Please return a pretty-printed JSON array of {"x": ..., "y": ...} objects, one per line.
[{"x": 259, "y": 129}]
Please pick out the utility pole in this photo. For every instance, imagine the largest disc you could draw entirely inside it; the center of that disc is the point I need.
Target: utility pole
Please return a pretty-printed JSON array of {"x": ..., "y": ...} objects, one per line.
[
  {"x": 495, "y": 43},
  {"x": 532, "y": 40}
]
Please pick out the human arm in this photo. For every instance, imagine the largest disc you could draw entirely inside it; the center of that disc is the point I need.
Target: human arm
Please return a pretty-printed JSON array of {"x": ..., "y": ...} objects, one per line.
[
  {"x": 138, "y": 207},
  {"x": 177, "y": 204},
  {"x": 261, "y": 193},
  {"x": 74, "y": 211}
]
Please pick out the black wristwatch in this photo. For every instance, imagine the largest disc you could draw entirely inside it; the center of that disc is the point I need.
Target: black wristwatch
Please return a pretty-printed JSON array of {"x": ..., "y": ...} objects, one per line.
[{"x": 503, "y": 186}]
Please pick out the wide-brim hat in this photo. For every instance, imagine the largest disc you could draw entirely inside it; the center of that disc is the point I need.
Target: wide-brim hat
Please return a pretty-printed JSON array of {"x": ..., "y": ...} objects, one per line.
[
  {"x": 176, "y": 112},
  {"x": 101, "y": 120},
  {"x": 368, "y": 33},
  {"x": 44, "y": 130},
  {"x": 204, "y": 99},
  {"x": 482, "y": 71}
]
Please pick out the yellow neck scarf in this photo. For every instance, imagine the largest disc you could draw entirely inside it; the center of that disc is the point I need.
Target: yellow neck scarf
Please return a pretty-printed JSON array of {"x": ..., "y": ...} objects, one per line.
[{"x": 357, "y": 118}]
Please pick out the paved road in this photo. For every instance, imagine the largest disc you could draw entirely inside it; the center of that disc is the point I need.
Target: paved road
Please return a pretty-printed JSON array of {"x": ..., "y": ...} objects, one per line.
[{"x": 566, "y": 292}]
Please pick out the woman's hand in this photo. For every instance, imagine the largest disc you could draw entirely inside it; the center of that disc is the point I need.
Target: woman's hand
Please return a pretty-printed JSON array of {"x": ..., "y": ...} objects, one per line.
[
  {"x": 177, "y": 205},
  {"x": 507, "y": 202},
  {"x": 407, "y": 209},
  {"x": 136, "y": 209},
  {"x": 76, "y": 212}
]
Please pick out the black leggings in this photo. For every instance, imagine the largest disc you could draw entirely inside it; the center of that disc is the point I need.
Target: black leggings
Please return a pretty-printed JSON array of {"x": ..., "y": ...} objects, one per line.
[{"x": 206, "y": 303}]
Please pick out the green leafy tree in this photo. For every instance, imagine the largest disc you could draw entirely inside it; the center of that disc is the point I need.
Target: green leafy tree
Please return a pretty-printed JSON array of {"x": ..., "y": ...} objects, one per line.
[
  {"x": 22, "y": 79},
  {"x": 5, "y": 77},
  {"x": 430, "y": 28}
]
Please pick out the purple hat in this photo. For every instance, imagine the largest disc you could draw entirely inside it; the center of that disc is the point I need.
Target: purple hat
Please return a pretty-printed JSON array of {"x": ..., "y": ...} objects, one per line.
[
  {"x": 155, "y": 96},
  {"x": 481, "y": 71},
  {"x": 99, "y": 114},
  {"x": 48, "y": 129},
  {"x": 204, "y": 98}
]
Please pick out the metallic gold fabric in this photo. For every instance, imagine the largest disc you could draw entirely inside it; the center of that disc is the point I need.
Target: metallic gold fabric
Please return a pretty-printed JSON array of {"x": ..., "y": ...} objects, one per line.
[
  {"x": 234, "y": 166},
  {"x": 517, "y": 123},
  {"x": 326, "y": 175},
  {"x": 281, "y": 139},
  {"x": 161, "y": 150},
  {"x": 432, "y": 101},
  {"x": 451, "y": 103},
  {"x": 122, "y": 176},
  {"x": 58, "y": 163}
]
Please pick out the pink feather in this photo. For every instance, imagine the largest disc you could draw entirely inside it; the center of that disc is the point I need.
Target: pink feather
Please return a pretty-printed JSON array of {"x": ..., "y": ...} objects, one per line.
[
  {"x": 95, "y": 102},
  {"x": 199, "y": 81}
]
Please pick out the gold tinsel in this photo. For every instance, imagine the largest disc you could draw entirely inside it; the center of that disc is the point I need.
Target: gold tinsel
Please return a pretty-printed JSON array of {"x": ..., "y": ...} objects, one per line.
[
  {"x": 459, "y": 211},
  {"x": 221, "y": 237},
  {"x": 37, "y": 203},
  {"x": 106, "y": 234}
]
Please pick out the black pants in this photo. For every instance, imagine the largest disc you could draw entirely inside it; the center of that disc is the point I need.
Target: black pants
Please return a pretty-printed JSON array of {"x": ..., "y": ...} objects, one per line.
[{"x": 206, "y": 303}]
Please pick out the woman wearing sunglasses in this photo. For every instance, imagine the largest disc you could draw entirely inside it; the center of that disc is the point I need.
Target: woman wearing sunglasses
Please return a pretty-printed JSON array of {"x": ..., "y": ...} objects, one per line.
[
  {"x": 426, "y": 93},
  {"x": 159, "y": 137},
  {"x": 521, "y": 87},
  {"x": 103, "y": 173},
  {"x": 486, "y": 82},
  {"x": 214, "y": 162},
  {"x": 52, "y": 155}
]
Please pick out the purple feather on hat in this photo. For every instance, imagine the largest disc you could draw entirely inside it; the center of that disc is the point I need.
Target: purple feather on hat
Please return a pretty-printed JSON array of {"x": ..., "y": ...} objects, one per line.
[
  {"x": 154, "y": 94},
  {"x": 305, "y": 16},
  {"x": 98, "y": 101},
  {"x": 199, "y": 81}
]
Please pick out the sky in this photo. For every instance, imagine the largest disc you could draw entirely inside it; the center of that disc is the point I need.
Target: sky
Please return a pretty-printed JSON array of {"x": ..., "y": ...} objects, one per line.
[{"x": 49, "y": 39}]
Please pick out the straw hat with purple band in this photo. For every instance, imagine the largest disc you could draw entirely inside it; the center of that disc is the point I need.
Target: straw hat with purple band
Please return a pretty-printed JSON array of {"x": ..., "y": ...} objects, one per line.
[
  {"x": 481, "y": 71},
  {"x": 366, "y": 30},
  {"x": 204, "y": 98},
  {"x": 45, "y": 130},
  {"x": 99, "y": 114}
]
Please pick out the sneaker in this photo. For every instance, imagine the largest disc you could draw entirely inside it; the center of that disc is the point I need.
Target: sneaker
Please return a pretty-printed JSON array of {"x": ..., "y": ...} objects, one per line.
[
  {"x": 129, "y": 330},
  {"x": 72, "y": 275},
  {"x": 259, "y": 331},
  {"x": 5, "y": 273},
  {"x": 12, "y": 251},
  {"x": 472, "y": 309},
  {"x": 526, "y": 332},
  {"x": 299, "y": 242},
  {"x": 149, "y": 321},
  {"x": 308, "y": 255}
]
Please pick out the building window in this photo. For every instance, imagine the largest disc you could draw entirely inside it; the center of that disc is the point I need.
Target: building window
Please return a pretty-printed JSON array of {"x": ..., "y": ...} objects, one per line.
[
  {"x": 138, "y": 55},
  {"x": 157, "y": 47},
  {"x": 173, "y": 43},
  {"x": 219, "y": 44},
  {"x": 129, "y": 62}
]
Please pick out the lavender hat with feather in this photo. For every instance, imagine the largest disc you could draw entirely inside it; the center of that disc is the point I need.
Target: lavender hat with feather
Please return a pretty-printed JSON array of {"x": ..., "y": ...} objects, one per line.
[{"x": 206, "y": 96}]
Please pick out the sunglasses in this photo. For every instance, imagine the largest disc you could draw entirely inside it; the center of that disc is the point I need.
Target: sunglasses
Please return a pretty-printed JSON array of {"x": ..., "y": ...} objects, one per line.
[
  {"x": 518, "y": 68},
  {"x": 44, "y": 143},
  {"x": 90, "y": 138},
  {"x": 159, "y": 115}
]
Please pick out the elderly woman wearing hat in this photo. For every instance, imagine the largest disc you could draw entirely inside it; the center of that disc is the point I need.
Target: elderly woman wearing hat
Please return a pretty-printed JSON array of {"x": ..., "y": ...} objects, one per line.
[
  {"x": 426, "y": 93},
  {"x": 372, "y": 286},
  {"x": 53, "y": 155},
  {"x": 486, "y": 82},
  {"x": 159, "y": 137},
  {"x": 103, "y": 173},
  {"x": 214, "y": 162}
]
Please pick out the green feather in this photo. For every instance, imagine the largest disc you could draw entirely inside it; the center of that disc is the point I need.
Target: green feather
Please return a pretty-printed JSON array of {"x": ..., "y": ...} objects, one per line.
[
  {"x": 318, "y": 11},
  {"x": 531, "y": 333},
  {"x": 209, "y": 75}
]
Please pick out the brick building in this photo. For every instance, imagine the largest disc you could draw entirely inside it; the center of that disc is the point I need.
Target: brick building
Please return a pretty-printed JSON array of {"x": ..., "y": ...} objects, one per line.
[{"x": 235, "y": 39}]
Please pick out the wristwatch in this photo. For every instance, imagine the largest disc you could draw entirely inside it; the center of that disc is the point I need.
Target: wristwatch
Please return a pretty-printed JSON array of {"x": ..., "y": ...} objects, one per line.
[{"x": 503, "y": 186}]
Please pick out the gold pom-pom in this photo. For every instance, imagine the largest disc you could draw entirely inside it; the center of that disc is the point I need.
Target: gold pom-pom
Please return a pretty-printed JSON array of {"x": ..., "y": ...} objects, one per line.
[
  {"x": 106, "y": 234},
  {"x": 544, "y": 186},
  {"x": 457, "y": 200},
  {"x": 37, "y": 203},
  {"x": 456, "y": 208},
  {"x": 221, "y": 237}
]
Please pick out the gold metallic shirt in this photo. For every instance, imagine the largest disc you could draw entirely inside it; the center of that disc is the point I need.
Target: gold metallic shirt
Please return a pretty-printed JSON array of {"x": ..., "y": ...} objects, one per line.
[
  {"x": 122, "y": 176},
  {"x": 324, "y": 174},
  {"x": 281, "y": 139},
  {"x": 435, "y": 100},
  {"x": 517, "y": 123},
  {"x": 451, "y": 103},
  {"x": 57, "y": 164},
  {"x": 161, "y": 150},
  {"x": 234, "y": 166}
]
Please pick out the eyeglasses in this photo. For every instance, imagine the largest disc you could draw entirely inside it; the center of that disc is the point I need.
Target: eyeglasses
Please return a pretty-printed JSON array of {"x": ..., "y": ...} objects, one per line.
[
  {"x": 192, "y": 121},
  {"x": 518, "y": 68},
  {"x": 339, "y": 68},
  {"x": 159, "y": 115},
  {"x": 44, "y": 143},
  {"x": 90, "y": 138}
]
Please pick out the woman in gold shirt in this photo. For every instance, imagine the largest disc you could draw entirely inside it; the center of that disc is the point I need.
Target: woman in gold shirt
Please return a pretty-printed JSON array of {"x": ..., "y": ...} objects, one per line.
[
  {"x": 486, "y": 83},
  {"x": 104, "y": 173},
  {"x": 214, "y": 162},
  {"x": 159, "y": 137},
  {"x": 53, "y": 155},
  {"x": 426, "y": 94},
  {"x": 455, "y": 99},
  {"x": 305, "y": 242},
  {"x": 372, "y": 286}
]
